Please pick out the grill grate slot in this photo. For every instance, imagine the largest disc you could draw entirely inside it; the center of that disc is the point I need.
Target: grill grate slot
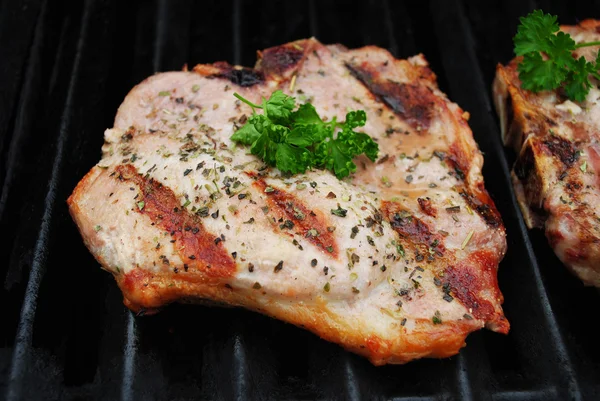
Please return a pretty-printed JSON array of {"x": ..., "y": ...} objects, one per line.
[{"x": 76, "y": 62}]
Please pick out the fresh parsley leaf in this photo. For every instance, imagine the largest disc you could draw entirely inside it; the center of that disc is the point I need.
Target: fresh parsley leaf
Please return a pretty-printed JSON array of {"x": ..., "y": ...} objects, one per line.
[
  {"x": 294, "y": 141},
  {"x": 548, "y": 61},
  {"x": 535, "y": 33},
  {"x": 578, "y": 85},
  {"x": 279, "y": 107},
  {"x": 537, "y": 74},
  {"x": 306, "y": 115},
  {"x": 292, "y": 159},
  {"x": 248, "y": 134},
  {"x": 356, "y": 119}
]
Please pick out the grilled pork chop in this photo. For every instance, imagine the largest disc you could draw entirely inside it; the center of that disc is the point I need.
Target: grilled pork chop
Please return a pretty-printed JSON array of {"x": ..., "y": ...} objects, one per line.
[
  {"x": 556, "y": 175},
  {"x": 176, "y": 211}
]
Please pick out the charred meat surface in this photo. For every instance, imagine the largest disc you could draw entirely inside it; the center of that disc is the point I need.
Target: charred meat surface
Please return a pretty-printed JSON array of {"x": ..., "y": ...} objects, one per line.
[
  {"x": 175, "y": 210},
  {"x": 557, "y": 171}
]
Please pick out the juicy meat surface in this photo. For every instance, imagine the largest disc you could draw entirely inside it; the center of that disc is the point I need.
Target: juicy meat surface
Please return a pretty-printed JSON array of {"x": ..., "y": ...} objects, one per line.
[
  {"x": 176, "y": 211},
  {"x": 557, "y": 171}
]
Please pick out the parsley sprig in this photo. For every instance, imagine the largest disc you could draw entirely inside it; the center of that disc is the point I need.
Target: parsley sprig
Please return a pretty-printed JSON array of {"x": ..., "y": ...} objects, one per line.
[
  {"x": 548, "y": 61},
  {"x": 294, "y": 141}
]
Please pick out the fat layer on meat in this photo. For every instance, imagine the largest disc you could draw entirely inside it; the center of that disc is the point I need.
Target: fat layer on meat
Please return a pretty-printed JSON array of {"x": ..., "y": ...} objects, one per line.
[
  {"x": 176, "y": 211},
  {"x": 556, "y": 174}
]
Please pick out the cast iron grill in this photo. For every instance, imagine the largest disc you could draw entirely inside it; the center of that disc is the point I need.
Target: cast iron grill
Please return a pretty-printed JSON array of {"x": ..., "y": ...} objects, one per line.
[{"x": 65, "y": 67}]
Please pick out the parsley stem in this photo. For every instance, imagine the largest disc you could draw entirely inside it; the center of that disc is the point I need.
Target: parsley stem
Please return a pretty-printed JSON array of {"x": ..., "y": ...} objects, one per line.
[
  {"x": 248, "y": 102},
  {"x": 586, "y": 44}
]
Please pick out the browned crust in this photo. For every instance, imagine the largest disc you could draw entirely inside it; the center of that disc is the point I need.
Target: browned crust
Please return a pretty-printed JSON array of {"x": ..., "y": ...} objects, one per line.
[{"x": 147, "y": 290}]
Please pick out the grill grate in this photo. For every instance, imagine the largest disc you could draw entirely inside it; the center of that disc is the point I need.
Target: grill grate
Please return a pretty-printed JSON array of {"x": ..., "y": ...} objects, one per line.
[{"x": 66, "y": 66}]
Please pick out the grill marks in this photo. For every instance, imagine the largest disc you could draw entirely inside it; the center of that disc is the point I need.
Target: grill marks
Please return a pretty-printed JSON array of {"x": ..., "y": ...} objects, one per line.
[
  {"x": 277, "y": 60},
  {"x": 471, "y": 280},
  {"x": 241, "y": 76},
  {"x": 414, "y": 103},
  {"x": 483, "y": 205},
  {"x": 472, "y": 277},
  {"x": 563, "y": 149},
  {"x": 412, "y": 228},
  {"x": 196, "y": 246},
  {"x": 313, "y": 226}
]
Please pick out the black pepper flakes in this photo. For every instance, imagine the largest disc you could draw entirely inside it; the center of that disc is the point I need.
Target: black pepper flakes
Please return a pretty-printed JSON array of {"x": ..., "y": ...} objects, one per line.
[
  {"x": 325, "y": 270},
  {"x": 215, "y": 215},
  {"x": 250, "y": 267},
  {"x": 257, "y": 286},
  {"x": 187, "y": 171},
  {"x": 409, "y": 179},
  {"x": 313, "y": 262},
  {"x": 278, "y": 267},
  {"x": 217, "y": 240}
]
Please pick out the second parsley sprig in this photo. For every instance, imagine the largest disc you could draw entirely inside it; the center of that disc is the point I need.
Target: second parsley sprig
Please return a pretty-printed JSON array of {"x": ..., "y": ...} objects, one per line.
[
  {"x": 548, "y": 62},
  {"x": 294, "y": 141}
]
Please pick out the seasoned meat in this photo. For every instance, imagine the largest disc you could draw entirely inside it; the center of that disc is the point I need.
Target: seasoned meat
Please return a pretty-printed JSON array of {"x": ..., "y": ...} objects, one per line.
[
  {"x": 556, "y": 174},
  {"x": 176, "y": 211}
]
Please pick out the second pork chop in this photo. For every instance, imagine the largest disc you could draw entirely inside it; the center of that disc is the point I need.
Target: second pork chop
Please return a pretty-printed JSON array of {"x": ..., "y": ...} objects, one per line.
[{"x": 556, "y": 175}]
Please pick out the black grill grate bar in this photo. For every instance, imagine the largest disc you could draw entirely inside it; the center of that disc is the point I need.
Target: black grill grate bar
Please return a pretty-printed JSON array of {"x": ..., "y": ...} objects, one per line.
[
  {"x": 464, "y": 30},
  {"x": 22, "y": 344},
  {"x": 24, "y": 101},
  {"x": 130, "y": 349},
  {"x": 462, "y": 378},
  {"x": 129, "y": 358},
  {"x": 161, "y": 34},
  {"x": 389, "y": 27},
  {"x": 238, "y": 351},
  {"x": 312, "y": 19},
  {"x": 12, "y": 37},
  {"x": 526, "y": 395},
  {"x": 352, "y": 380},
  {"x": 239, "y": 367},
  {"x": 237, "y": 34},
  {"x": 24, "y": 110}
]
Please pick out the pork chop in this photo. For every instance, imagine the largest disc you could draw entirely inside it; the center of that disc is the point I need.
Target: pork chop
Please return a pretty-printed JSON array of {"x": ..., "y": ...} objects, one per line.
[
  {"x": 176, "y": 211},
  {"x": 556, "y": 174}
]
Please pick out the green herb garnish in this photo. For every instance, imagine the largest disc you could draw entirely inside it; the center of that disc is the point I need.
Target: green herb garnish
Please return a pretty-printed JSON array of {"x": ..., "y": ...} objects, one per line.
[
  {"x": 294, "y": 141},
  {"x": 548, "y": 61}
]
